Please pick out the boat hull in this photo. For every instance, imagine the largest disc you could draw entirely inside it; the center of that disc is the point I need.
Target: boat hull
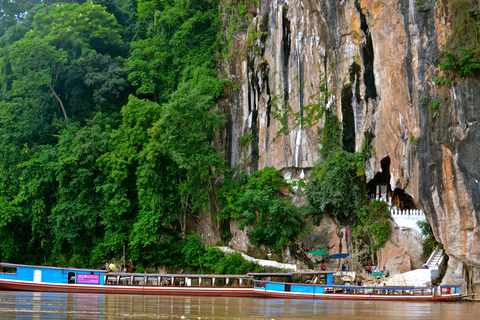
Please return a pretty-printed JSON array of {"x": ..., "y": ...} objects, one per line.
[
  {"x": 361, "y": 297},
  {"x": 120, "y": 289}
]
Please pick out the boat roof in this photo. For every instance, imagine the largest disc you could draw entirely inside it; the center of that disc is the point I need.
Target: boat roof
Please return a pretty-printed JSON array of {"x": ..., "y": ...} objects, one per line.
[
  {"x": 303, "y": 273},
  {"x": 180, "y": 275},
  {"x": 13, "y": 265},
  {"x": 270, "y": 274}
]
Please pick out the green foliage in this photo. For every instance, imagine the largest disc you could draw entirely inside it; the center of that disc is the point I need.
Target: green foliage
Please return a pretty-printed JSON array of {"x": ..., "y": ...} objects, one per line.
[
  {"x": 373, "y": 217},
  {"x": 414, "y": 141},
  {"x": 121, "y": 171},
  {"x": 185, "y": 133},
  {"x": 235, "y": 18},
  {"x": 253, "y": 200},
  {"x": 463, "y": 45},
  {"x": 35, "y": 68},
  {"x": 381, "y": 233},
  {"x": 77, "y": 28},
  {"x": 234, "y": 263},
  {"x": 376, "y": 222},
  {"x": 335, "y": 186},
  {"x": 423, "y": 8},
  {"x": 197, "y": 258},
  {"x": 193, "y": 251},
  {"x": 441, "y": 80},
  {"x": 466, "y": 64},
  {"x": 465, "y": 27},
  {"x": 335, "y": 183},
  {"x": 246, "y": 139},
  {"x": 331, "y": 135},
  {"x": 424, "y": 99},
  {"x": 180, "y": 39},
  {"x": 435, "y": 105},
  {"x": 430, "y": 243}
]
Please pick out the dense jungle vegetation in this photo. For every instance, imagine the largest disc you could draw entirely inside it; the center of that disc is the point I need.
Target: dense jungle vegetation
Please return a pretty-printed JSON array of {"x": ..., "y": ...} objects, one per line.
[{"x": 106, "y": 126}]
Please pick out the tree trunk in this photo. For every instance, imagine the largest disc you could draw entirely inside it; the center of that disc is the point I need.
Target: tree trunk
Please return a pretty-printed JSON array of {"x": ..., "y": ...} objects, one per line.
[{"x": 59, "y": 101}]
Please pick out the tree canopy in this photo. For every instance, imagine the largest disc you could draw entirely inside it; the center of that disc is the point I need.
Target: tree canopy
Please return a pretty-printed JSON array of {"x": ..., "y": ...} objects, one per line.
[{"x": 89, "y": 167}]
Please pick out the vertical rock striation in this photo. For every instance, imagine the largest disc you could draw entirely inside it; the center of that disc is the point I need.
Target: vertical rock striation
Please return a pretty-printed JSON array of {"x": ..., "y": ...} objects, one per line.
[{"x": 386, "y": 55}]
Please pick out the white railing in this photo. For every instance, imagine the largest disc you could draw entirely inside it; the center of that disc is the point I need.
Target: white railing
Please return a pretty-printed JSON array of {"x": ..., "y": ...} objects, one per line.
[
  {"x": 412, "y": 213},
  {"x": 407, "y": 217}
]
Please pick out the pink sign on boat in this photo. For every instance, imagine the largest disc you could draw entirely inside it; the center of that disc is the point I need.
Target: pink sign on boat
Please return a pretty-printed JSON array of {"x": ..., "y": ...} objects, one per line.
[{"x": 88, "y": 278}]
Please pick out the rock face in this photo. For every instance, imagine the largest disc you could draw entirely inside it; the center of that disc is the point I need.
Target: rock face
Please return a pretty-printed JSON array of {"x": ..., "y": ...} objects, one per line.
[
  {"x": 402, "y": 252},
  {"x": 386, "y": 55}
]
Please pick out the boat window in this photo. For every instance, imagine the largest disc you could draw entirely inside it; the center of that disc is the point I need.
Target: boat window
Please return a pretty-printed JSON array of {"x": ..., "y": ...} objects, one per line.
[
  {"x": 232, "y": 283},
  {"x": 194, "y": 282},
  {"x": 310, "y": 278},
  {"x": 152, "y": 281},
  {"x": 111, "y": 280},
  {"x": 206, "y": 282},
  {"x": 260, "y": 284},
  {"x": 166, "y": 281},
  {"x": 246, "y": 283},
  {"x": 71, "y": 277},
  {"x": 179, "y": 282},
  {"x": 288, "y": 287},
  {"x": 138, "y": 281},
  {"x": 219, "y": 282},
  {"x": 8, "y": 270},
  {"x": 124, "y": 280}
]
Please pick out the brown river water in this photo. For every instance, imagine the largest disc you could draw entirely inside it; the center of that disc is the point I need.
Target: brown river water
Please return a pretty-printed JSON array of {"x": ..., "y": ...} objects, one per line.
[{"x": 34, "y": 305}]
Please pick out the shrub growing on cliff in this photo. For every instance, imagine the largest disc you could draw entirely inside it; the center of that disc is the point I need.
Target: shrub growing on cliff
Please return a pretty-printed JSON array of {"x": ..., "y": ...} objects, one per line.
[
  {"x": 430, "y": 243},
  {"x": 335, "y": 184},
  {"x": 254, "y": 201},
  {"x": 463, "y": 45},
  {"x": 374, "y": 216}
]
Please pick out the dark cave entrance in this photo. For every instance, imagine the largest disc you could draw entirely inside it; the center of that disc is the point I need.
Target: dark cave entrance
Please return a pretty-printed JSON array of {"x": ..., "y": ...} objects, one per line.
[
  {"x": 379, "y": 188},
  {"x": 348, "y": 116}
]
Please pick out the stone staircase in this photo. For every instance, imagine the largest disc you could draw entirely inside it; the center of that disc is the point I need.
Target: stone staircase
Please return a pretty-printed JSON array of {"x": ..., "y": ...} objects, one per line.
[{"x": 435, "y": 261}]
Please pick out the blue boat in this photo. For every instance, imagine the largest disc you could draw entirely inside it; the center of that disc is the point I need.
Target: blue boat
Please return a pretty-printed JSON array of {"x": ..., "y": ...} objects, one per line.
[
  {"x": 320, "y": 285},
  {"x": 17, "y": 277}
]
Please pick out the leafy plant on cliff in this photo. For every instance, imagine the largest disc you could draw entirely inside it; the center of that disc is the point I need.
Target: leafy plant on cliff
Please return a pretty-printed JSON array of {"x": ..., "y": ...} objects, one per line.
[
  {"x": 307, "y": 115},
  {"x": 337, "y": 183},
  {"x": 254, "y": 201},
  {"x": 374, "y": 216},
  {"x": 430, "y": 243},
  {"x": 234, "y": 17},
  {"x": 413, "y": 144},
  {"x": 463, "y": 45}
]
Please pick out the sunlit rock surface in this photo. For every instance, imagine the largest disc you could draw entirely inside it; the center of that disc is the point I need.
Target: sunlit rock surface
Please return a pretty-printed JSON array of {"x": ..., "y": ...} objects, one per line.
[{"x": 387, "y": 54}]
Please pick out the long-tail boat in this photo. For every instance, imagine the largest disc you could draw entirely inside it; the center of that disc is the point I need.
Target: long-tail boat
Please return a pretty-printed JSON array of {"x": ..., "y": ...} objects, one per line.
[
  {"x": 17, "y": 277},
  {"x": 319, "y": 285}
]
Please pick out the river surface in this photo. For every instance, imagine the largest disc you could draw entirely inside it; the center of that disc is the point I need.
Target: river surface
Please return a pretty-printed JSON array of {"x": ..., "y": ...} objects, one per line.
[{"x": 35, "y": 305}]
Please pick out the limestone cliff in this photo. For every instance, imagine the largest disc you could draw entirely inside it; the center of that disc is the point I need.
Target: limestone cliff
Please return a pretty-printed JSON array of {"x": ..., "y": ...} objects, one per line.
[{"x": 387, "y": 54}]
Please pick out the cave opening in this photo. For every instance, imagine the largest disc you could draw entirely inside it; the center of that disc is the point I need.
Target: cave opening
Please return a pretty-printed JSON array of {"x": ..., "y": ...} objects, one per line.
[
  {"x": 367, "y": 56},
  {"x": 379, "y": 188},
  {"x": 381, "y": 178},
  {"x": 348, "y": 136}
]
